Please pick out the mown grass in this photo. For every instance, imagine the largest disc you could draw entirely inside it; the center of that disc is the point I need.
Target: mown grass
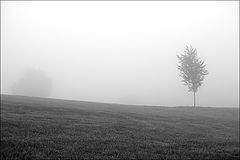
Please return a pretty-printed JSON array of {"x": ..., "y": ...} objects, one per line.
[{"x": 36, "y": 128}]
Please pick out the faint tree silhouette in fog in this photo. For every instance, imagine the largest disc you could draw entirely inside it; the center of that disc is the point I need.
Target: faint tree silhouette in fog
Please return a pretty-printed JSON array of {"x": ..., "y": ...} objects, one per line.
[
  {"x": 33, "y": 83},
  {"x": 192, "y": 70}
]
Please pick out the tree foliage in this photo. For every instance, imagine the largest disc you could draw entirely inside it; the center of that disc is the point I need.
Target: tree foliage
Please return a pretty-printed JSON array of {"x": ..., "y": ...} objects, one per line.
[
  {"x": 192, "y": 69},
  {"x": 33, "y": 83}
]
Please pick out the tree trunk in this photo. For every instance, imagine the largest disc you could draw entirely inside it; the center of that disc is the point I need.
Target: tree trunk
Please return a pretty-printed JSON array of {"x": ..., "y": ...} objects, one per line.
[{"x": 194, "y": 102}]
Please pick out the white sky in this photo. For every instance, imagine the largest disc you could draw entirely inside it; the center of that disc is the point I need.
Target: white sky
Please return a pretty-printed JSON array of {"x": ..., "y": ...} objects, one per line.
[{"x": 123, "y": 52}]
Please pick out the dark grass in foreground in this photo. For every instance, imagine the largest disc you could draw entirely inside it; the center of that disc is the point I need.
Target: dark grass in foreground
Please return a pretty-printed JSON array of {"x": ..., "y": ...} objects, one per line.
[{"x": 49, "y": 128}]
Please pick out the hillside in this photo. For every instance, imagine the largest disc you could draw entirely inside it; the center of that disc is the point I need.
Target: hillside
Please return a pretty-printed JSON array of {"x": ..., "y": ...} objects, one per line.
[{"x": 53, "y": 128}]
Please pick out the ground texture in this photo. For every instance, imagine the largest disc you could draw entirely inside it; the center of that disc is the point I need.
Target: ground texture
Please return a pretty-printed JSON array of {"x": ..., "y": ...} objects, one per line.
[{"x": 37, "y": 128}]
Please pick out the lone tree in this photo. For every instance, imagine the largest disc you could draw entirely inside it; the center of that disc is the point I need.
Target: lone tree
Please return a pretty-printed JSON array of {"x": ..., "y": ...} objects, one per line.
[{"x": 192, "y": 70}]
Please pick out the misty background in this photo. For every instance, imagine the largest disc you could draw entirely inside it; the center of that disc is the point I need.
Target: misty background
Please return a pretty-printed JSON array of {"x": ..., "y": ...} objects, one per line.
[{"x": 120, "y": 52}]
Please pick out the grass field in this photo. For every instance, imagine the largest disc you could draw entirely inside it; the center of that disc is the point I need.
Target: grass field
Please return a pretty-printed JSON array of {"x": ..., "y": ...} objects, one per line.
[{"x": 38, "y": 128}]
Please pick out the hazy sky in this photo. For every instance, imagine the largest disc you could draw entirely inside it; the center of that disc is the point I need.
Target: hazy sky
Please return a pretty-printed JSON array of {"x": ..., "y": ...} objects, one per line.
[{"x": 122, "y": 52}]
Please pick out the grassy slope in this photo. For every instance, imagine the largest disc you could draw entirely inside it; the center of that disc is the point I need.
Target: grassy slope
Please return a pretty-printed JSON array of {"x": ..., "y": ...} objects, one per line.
[{"x": 49, "y": 128}]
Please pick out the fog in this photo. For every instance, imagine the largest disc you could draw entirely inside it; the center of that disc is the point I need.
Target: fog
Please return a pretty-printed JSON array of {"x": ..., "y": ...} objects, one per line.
[{"x": 121, "y": 52}]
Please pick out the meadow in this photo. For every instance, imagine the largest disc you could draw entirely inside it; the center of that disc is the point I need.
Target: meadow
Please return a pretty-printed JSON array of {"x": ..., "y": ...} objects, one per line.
[{"x": 41, "y": 128}]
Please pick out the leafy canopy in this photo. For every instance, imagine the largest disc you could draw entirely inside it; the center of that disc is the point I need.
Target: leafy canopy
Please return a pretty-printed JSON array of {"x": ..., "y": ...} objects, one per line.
[{"x": 192, "y": 69}]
